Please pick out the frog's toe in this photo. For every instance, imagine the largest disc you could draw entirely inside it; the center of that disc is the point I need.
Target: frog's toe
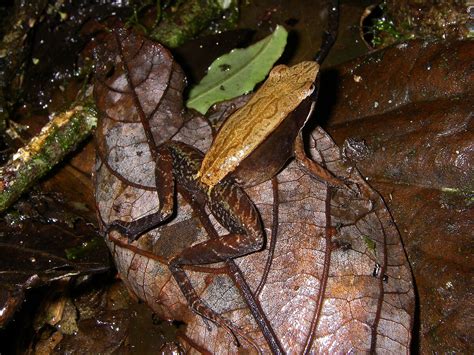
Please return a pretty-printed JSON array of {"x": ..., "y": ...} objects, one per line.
[{"x": 124, "y": 229}]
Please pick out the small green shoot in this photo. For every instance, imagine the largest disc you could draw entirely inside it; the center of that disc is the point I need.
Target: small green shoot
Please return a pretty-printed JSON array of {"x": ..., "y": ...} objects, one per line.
[
  {"x": 370, "y": 243},
  {"x": 83, "y": 249}
]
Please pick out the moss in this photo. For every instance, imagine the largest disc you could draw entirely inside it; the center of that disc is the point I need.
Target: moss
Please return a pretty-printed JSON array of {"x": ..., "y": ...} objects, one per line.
[
  {"x": 187, "y": 20},
  {"x": 64, "y": 132},
  {"x": 385, "y": 32},
  {"x": 457, "y": 198},
  {"x": 430, "y": 18},
  {"x": 411, "y": 153},
  {"x": 84, "y": 249},
  {"x": 370, "y": 243}
]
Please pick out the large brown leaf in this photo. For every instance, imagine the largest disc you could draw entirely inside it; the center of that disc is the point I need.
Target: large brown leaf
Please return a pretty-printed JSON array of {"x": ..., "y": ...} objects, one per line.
[
  {"x": 333, "y": 275},
  {"x": 416, "y": 113},
  {"x": 416, "y": 146}
]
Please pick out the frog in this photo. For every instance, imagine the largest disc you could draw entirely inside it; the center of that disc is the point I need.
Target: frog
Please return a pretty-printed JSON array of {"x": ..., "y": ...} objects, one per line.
[{"x": 250, "y": 147}]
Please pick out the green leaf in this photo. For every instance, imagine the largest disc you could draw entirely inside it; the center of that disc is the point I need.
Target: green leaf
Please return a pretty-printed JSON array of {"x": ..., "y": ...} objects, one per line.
[{"x": 237, "y": 72}]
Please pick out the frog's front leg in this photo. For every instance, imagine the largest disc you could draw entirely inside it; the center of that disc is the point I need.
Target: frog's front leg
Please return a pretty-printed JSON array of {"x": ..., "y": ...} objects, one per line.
[
  {"x": 165, "y": 186},
  {"x": 228, "y": 203},
  {"x": 231, "y": 207},
  {"x": 313, "y": 168}
]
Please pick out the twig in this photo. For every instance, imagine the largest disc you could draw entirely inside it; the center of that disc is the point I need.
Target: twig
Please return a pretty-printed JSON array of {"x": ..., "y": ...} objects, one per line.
[{"x": 58, "y": 138}]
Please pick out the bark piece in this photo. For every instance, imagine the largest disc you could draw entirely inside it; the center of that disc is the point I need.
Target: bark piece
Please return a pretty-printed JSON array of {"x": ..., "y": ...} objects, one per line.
[{"x": 57, "y": 138}]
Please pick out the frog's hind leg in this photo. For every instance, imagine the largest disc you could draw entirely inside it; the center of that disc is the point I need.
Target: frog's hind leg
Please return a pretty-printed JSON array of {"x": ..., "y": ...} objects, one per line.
[
  {"x": 235, "y": 211},
  {"x": 199, "y": 306},
  {"x": 186, "y": 164},
  {"x": 234, "y": 271},
  {"x": 165, "y": 187}
]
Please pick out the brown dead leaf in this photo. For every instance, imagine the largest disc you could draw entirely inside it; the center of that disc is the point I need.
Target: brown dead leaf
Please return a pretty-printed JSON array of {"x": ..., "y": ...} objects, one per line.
[
  {"x": 156, "y": 97},
  {"x": 333, "y": 275},
  {"x": 417, "y": 149}
]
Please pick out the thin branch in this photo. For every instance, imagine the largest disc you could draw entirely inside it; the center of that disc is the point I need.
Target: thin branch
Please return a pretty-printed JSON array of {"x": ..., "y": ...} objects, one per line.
[{"x": 58, "y": 138}]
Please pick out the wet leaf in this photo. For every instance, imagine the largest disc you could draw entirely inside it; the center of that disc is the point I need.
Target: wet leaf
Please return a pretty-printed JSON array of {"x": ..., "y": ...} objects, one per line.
[
  {"x": 319, "y": 284},
  {"x": 428, "y": 104},
  {"x": 92, "y": 318},
  {"x": 416, "y": 148},
  {"x": 147, "y": 90},
  {"x": 105, "y": 333},
  {"x": 237, "y": 72},
  {"x": 34, "y": 240}
]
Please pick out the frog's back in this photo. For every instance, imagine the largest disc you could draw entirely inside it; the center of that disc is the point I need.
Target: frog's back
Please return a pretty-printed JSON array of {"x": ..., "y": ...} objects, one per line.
[{"x": 246, "y": 129}]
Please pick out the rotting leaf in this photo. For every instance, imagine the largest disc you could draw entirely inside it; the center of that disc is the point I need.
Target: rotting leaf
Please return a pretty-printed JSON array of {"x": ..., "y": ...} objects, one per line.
[
  {"x": 237, "y": 72},
  {"x": 32, "y": 242},
  {"x": 94, "y": 317},
  {"x": 314, "y": 280}
]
